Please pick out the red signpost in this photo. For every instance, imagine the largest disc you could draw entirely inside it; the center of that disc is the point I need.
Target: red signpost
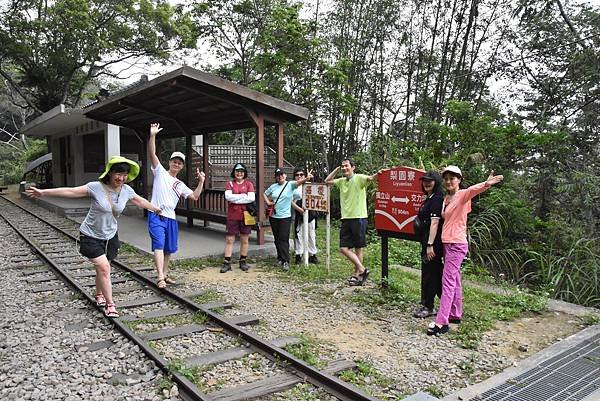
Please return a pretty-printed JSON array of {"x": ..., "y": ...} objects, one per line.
[{"x": 397, "y": 201}]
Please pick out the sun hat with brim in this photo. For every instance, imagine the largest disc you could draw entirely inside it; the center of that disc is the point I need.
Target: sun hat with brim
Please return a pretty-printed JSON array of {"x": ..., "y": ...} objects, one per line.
[
  {"x": 452, "y": 169},
  {"x": 134, "y": 168}
]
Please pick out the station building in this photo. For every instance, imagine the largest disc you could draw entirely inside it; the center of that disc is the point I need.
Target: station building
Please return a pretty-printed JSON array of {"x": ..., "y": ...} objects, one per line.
[{"x": 190, "y": 105}]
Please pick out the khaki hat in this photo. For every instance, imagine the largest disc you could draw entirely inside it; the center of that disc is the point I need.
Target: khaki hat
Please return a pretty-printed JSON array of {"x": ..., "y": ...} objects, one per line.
[
  {"x": 177, "y": 154},
  {"x": 134, "y": 168},
  {"x": 452, "y": 169}
]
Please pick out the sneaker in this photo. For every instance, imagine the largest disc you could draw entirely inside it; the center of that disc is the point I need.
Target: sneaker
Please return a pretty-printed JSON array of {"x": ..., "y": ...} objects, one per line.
[
  {"x": 225, "y": 268},
  {"x": 313, "y": 259},
  {"x": 244, "y": 266},
  {"x": 298, "y": 259},
  {"x": 423, "y": 312},
  {"x": 285, "y": 266}
]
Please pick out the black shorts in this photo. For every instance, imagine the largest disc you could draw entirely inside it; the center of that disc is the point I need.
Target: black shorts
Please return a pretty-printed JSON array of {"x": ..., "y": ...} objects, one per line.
[
  {"x": 91, "y": 247},
  {"x": 353, "y": 233}
]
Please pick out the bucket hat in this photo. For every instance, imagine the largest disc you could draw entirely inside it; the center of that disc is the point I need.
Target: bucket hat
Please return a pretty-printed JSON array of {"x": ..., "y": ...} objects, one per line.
[{"x": 134, "y": 168}]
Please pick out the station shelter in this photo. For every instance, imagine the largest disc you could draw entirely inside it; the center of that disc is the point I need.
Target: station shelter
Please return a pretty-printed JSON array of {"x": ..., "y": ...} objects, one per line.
[{"x": 190, "y": 105}]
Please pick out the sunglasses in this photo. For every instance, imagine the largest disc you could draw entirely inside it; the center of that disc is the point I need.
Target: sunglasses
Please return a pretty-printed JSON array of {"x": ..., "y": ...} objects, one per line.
[{"x": 299, "y": 175}]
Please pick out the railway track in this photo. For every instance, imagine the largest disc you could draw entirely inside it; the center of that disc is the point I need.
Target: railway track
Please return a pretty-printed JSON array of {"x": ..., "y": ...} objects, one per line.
[{"x": 61, "y": 266}]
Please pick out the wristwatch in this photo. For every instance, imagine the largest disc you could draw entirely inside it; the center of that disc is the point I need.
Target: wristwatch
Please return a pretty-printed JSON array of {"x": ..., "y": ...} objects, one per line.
[{"x": 429, "y": 244}]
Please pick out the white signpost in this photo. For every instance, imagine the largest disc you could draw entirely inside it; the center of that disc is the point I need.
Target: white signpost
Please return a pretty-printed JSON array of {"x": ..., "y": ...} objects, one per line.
[{"x": 315, "y": 196}]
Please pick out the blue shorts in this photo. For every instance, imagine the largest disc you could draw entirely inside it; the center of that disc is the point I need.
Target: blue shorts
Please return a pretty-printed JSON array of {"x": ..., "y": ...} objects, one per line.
[{"x": 163, "y": 232}]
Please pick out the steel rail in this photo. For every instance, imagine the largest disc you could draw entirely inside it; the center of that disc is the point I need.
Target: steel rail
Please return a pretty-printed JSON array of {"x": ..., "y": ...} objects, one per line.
[
  {"x": 333, "y": 385},
  {"x": 185, "y": 385}
]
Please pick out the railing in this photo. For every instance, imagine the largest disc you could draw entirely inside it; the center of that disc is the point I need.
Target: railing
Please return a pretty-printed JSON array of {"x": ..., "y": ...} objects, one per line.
[{"x": 211, "y": 201}]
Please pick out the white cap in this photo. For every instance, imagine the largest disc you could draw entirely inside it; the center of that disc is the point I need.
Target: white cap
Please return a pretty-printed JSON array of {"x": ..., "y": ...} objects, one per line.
[
  {"x": 177, "y": 154},
  {"x": 452, "y": 169}
]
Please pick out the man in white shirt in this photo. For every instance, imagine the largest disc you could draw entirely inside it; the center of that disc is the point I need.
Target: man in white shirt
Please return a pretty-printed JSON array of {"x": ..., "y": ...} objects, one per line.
[{"x": 166, "y": 191}]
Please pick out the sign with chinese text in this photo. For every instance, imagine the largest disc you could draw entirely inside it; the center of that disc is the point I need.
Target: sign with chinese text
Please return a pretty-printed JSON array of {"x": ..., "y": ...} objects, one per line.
[
  {"x": 315, "y": 197},
  {"x": 398, "y": 199}
]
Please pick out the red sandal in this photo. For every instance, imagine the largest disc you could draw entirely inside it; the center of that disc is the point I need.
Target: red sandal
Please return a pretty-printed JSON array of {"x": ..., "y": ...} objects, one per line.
[
  {"x": 110, "y": 310},
  {"x": 100, "y": 300}
]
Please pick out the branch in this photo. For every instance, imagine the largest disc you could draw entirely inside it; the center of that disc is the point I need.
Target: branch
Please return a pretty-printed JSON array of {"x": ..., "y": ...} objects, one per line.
[
  {"x": 18, "y": 89},
  {"x": 569, "y": 23}
]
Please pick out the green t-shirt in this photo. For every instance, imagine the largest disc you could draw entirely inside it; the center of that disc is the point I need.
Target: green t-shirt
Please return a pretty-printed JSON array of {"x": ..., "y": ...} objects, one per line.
[{"x": 353, "y": 196}]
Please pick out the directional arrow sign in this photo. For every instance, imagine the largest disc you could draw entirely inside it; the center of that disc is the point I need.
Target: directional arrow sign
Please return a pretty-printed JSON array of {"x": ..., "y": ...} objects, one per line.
[
  {"x": 398, "y": 199},
  {"x": 403, "y": 200}
]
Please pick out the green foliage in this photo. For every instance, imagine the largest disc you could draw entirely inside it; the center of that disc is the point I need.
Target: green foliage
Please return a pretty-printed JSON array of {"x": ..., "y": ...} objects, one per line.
[
  {"x": 591, "y": 319},
  {"x": 13, "y": 162},
  {"x": 55, "y": 49},
  {"x": 571, "y": 273}
]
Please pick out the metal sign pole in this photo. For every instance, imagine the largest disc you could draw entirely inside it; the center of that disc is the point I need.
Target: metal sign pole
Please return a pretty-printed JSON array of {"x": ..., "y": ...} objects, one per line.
[
  {"x": 328, "y": 232},
  {"x": 304, "y": 234}
]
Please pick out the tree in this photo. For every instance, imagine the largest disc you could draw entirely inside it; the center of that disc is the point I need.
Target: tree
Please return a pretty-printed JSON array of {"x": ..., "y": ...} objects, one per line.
[{"x": 51, "y": 51}]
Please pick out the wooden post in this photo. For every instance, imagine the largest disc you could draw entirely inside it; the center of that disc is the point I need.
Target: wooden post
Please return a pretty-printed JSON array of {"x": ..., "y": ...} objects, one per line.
[
  {"x": 280, "y": 143},
  {"x": 188, "y": 175},
  {"x": 205, "y": 168},
  {"x": 260, "y": 175}
]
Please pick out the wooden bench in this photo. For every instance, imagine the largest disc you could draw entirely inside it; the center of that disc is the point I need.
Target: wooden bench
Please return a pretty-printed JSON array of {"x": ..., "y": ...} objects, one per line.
[{"x": 211, "y": 207}]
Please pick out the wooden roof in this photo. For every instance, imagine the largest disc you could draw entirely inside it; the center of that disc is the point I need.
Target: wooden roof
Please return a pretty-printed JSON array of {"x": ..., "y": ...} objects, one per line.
[{"x": 191, "y": 102}]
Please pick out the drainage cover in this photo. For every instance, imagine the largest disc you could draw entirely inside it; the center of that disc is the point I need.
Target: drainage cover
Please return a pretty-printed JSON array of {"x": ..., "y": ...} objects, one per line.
[{"x": 569, "y": 376}]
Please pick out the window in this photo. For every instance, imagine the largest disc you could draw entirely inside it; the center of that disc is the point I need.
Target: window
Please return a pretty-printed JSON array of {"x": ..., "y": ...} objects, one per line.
[{"x": 93, "y": 153}]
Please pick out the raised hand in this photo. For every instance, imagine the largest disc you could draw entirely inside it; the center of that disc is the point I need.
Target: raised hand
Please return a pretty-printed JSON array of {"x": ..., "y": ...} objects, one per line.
[
  {"x": 493, "y": 179},
  {"x": 309, "y": 174},
  {"x": 155, "y": 129},
  {"x": 200, "y": 176}
]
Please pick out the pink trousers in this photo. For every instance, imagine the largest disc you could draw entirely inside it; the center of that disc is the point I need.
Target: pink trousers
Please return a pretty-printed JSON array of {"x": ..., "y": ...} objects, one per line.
[{"x": 451, "y": 301}]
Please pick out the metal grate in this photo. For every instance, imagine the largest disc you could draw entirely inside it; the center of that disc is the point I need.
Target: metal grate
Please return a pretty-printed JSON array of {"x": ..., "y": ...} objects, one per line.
[{"x": 569, "y": 376}]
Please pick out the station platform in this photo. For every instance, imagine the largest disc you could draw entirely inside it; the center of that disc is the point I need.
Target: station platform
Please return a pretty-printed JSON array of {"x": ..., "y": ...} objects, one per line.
[{"x": 194, "y": 242}]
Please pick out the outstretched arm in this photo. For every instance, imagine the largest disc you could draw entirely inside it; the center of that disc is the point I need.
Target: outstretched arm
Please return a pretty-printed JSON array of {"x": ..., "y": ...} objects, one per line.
[
  {"x": 144, "y": 204},
  {"x": 329, "y": 178},
  {"x": 154, "y": 130},
  {"x": 65, "y": 192},
  {"x": 374, "y": 176},
  {"x": 476, "y": 189}
]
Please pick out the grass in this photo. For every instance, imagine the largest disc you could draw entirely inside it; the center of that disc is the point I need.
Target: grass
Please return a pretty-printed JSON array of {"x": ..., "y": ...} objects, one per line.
[
  {"x": 194, "y": 264},
  {"x": 590, "y": 319},
  {"x": 481, "y": 308},
  {"x": 209, "y": 295},
  {"x": 365, "y": 374},
  {"x": 307, "y": 350}
]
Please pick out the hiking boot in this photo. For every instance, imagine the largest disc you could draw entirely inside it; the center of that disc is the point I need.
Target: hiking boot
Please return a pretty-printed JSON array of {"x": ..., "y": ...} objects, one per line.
[
  {"x": 225, "y": 268},
  {"x": 298, "y": 259},
  {"x": 285, "y": 266},
  {"x": 313, "y": 259},
  {"x": 244, "y": 266}
]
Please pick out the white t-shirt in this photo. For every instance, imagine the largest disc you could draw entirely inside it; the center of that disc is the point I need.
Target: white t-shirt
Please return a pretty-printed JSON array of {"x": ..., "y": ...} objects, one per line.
[{"x": 167, "y": 190}]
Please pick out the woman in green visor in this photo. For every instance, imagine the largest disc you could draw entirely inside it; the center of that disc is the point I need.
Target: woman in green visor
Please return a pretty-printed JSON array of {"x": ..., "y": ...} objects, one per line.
[{"x": 98, "y": 238}]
